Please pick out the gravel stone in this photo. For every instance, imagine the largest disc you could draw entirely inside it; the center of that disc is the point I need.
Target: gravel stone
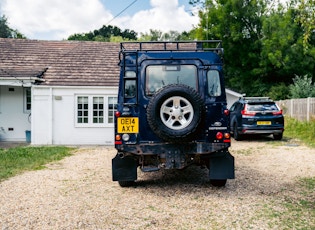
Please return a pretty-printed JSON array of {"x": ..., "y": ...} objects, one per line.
[{"x": 78, "y": 192}]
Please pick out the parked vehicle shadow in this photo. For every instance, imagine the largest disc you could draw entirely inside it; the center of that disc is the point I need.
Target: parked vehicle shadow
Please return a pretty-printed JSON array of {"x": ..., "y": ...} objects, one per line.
[{"x": 191, "y": 176}]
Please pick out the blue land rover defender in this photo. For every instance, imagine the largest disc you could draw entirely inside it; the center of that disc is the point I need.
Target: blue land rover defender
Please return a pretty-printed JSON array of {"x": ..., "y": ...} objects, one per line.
[{"x": 171, "y": 110}]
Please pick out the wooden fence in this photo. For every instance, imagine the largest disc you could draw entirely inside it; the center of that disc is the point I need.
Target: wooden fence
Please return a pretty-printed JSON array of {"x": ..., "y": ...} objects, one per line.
[{"x": 302, "y": 109}]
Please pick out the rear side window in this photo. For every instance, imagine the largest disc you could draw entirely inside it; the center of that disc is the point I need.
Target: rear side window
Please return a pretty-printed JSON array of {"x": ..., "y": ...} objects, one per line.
[
  {"x": 158, "y": 76},
  {"x": 130, "y": 88},
  {"x": 262, "y": 107},
  {"x": 214, "y": 85}
]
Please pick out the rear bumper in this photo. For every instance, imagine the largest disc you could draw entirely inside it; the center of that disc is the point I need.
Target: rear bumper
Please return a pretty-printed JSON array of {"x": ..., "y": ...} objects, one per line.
[
  {"x": 164, "y": 148},
  {"x": 247, "y": 130}
]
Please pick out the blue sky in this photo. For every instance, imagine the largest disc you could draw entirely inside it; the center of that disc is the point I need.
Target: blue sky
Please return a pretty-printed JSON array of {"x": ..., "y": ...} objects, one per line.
[{"x": 57, "y": 19}]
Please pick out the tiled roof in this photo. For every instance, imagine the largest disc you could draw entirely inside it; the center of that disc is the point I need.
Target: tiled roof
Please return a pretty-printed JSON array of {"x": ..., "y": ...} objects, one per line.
[{"x": 64, "y": 63}]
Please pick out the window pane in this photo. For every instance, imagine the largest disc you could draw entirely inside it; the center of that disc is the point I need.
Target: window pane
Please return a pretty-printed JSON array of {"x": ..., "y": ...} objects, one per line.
[
  {"x": 158, "y": 76},
  {"x": 130, "y": 88},
  {"x": 28, "y": 99},
  {"x": 82, "y": 109},
  {"x": 98, "y": 109},
  {"x": 262, "y": 107},
  {"x": 214, "y": 85},
  {"x": 112, "y": 105}
]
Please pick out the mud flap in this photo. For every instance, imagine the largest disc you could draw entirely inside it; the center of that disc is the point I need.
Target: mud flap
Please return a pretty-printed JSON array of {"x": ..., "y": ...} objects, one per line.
[
  {"x": 221, "y": 166},
  {"x": 124, "y": 169}
]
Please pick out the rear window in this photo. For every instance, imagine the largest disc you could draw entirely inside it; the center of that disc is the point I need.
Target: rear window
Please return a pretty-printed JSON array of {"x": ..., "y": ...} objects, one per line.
[
  {"x": 262, "y": 107},
  {"x": 214, "y": 85},
  {"x": 158, "y": 76}
]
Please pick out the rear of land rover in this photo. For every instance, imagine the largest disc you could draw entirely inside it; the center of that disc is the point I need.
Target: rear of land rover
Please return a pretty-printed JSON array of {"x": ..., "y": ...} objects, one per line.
[{"x": 171, "y": 110}]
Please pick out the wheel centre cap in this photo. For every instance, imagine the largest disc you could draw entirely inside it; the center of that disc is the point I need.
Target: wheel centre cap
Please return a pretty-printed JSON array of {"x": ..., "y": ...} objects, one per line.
[{"x": 177, "y": 112}]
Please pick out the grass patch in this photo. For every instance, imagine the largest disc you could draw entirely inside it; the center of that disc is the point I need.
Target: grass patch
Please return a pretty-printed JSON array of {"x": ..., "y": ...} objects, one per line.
[
  {"x": 304, "y": 131},
  {"x": 295, "y": 211},
  {"x": 14, "y": 161},
  {"x": 245, "y": 152}
]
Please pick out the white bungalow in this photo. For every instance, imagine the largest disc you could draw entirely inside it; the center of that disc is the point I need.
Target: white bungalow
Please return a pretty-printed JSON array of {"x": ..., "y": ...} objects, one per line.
[{"x": 60, "y": 92}]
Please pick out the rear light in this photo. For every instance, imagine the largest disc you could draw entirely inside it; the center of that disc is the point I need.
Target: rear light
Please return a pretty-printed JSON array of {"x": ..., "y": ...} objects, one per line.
[
  {"x": 277, "y": 112},
  {"x": 117, "y": 114},
  {"x": 227, "y": 135},
  {"x": 125, "y": 137},
  {"x": 219, "y": 135},
  {"x": 248, "y": 113},
  {"x": 226, "y": 112},
  {"x": 227, "y": 138},
  {"x": 118, "y": 140}
]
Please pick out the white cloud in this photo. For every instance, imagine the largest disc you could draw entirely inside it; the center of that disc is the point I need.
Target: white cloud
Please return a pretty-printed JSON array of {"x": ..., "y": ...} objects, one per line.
[
  {"x": 57, "y": 19},
  {"x": 165, "y": 15}
]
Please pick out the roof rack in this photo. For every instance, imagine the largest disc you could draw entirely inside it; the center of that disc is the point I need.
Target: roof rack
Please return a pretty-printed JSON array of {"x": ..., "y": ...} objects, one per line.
[
  {"x": 205, "y": 45},
  {"x": 257, "y": 98}
]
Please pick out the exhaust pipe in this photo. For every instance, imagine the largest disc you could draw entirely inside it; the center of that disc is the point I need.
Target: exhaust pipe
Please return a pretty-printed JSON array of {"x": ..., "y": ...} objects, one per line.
[{"x": 121, "y": 155}]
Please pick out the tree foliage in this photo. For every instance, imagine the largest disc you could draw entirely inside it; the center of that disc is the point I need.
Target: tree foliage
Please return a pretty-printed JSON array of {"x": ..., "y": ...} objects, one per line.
[
  {"x": 157, "y": 35},
  {"x": 306, "y": 18},
  {"x": 6, "y": 31},
  {"x": 104, "y": 34},
  {"x": 264, "y": 42},
  {"x": 302, "y": 87}
]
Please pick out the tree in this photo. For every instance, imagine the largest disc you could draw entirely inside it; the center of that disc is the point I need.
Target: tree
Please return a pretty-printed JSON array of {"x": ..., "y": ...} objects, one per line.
[
  {"x": 157, "y": 35},
  {"x": 6, "y": 31},
  {"x": 279, "y": 92},
  {"x": 104, "y": 34},
  {"x": 306, "y": 17},
  {"x": 154, "y": 35},
  {"x": 302, "y": 87},
  {"x": 282, "y": 54},
  {"x": 264, "y": 42},
  {"x": 239, "y": 25}
]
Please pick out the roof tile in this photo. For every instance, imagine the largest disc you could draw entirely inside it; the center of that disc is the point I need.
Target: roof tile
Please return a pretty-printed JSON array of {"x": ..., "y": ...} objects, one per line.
[{"x": 76, "y": 63}]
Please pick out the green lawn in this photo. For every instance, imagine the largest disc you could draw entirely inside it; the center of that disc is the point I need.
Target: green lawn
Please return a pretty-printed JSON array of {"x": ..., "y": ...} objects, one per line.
[
  {"x": 304, "y": 131},
  {"x": 14, "y": 161}
]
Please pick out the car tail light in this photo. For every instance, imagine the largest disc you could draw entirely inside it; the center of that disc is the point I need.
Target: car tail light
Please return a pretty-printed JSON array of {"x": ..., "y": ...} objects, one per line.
[
  {"x": 117, "y": 137},
  {"x": 247, "y": 113},
  {"x": 117, "y": 114},
  {"x": 227, "y": 138},
  {"x": 277, "y": 112},
  {"x": 226, "y": 112},
  {"x": 227, "y": 135},
  {"x": 219, "y": 135},
  {"x": 118, "y": 140}
]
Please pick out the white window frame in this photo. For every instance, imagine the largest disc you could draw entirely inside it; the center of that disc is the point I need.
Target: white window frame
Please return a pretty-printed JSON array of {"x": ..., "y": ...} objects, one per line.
[
  {"x": 104, "y": 112},
  {"x": 25, "y": 101}
]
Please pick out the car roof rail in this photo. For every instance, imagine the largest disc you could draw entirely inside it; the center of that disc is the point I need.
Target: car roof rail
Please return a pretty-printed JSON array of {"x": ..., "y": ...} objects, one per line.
[
  {"x": 174, "y": 46},
  {"x": 256, "y": 98}
]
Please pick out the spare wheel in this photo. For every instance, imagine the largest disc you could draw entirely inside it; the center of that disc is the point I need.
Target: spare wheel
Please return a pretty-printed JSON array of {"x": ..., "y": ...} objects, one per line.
[{"x": 175, "y": 112}]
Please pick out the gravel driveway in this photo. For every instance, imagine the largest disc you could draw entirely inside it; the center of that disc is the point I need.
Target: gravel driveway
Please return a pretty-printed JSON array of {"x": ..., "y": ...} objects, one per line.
[{"x": 77, "y": 193}]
